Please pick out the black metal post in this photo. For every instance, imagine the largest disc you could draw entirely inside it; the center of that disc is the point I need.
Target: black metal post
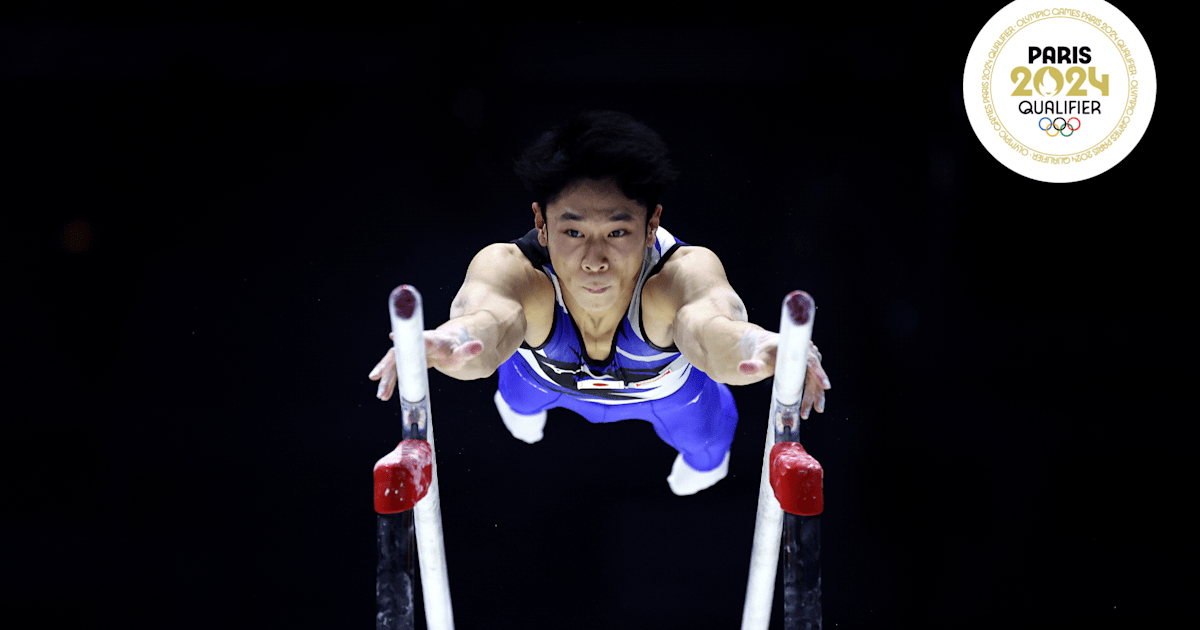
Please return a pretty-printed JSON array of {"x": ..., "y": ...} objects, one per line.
[
  {"x": 394, "y": 576},
  {"x": 801, "y": 572}
]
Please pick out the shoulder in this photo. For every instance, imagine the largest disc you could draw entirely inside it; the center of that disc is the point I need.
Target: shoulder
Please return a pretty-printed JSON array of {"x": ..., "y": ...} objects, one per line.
[
  {"x": 690, "y": 269},
  {"x": 504, "y": 257},
  {"x": 690, "y": 275},
  {"x": 503, "y": 266},
  {"x": 689, "y": 257},
  {"x": 503, "y": 270}
]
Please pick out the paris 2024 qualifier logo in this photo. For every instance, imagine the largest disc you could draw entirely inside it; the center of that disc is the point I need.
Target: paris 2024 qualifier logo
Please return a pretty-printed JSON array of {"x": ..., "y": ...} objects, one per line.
[{"x": 1060, "y": 92}]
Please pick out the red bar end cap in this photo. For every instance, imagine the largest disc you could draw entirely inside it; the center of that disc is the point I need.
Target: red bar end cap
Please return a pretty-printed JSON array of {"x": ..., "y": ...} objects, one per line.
[
  {"x": 797, "y": 479},
  {"x": 403, "y": 301},
  {"x": 800, "y": 307},
  {"x": 402, "y": 477}
]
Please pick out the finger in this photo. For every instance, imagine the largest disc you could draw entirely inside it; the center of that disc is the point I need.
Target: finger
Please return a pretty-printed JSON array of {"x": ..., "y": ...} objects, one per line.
[
  {"x": 463, "y": 353},
  {"x": 438, "y": 347},
  {"x": 767, "y": 354},
  {"x": 814, "y": 396},
  {"x": 468, "y": 351},
  {"x": 379, "y": 368},
  {"x": 386, "y": 385},
  {"x": 818, "y": 372},
  {"x": 751, "y": 367}
]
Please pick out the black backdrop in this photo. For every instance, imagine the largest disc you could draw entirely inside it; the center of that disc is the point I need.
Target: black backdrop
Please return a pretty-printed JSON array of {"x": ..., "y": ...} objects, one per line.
[{"x": 247, "y": 185}]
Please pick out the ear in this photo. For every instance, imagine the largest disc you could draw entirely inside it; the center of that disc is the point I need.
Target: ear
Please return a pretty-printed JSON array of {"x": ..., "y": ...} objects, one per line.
[
  {"x": 540, "y": 224},
  {"x": 655, "y": 218}
]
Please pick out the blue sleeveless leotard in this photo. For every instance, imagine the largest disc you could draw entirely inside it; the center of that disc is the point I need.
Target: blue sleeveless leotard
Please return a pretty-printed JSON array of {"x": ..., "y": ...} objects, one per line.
[{"x": 638, "y": 380}]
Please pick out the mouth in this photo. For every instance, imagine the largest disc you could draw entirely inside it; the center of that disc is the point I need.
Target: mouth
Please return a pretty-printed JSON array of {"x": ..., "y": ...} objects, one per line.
[{"x": 595, "y": 290}]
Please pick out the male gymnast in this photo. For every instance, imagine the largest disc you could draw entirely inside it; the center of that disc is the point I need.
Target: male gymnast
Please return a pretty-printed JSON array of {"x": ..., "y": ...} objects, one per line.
[{"x": 600, "y": 310}]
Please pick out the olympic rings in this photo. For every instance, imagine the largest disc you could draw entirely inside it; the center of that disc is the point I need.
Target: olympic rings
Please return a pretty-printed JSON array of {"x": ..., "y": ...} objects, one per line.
[{"x": 1060, "y": 129}]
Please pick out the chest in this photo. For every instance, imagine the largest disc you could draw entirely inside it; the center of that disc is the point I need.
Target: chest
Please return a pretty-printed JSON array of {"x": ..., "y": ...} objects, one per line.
[
  {"x": 552, "y": 324},
  {"x": 599, "y": 347},
  {"x": 621, "y": 353},
  {"x": 649, "y": 322}
]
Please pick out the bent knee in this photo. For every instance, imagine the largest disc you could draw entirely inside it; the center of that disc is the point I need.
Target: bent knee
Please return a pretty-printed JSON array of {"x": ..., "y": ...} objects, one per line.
[{"x": 704, "y": 461}]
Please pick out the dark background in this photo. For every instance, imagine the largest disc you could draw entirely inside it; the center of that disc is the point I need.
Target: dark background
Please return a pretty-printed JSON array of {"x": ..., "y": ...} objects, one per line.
[{"x": 209, "y": 206}]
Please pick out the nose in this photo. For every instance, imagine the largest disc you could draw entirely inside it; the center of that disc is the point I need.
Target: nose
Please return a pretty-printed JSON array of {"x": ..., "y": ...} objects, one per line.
[{"x": 595, "y": 257}]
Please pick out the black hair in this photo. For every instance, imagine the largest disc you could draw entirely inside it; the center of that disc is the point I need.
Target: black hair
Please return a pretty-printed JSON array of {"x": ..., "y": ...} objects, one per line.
[{"x": 598, "y": 145}]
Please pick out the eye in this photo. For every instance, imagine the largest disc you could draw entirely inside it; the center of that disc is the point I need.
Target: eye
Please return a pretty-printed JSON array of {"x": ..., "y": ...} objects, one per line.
[
  {"x": 572, "y": 233},
  {"x": 621, "y": 232}
]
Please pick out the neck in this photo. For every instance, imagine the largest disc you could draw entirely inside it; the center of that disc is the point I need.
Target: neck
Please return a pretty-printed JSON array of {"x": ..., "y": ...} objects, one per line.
[{"x": 597, "y": 323}]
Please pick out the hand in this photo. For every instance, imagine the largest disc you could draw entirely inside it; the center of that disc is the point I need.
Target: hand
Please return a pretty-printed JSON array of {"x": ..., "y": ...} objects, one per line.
[
  {"x": 446, "y": 350},
  {"x": 762, "y": 364},
  {"x": 761, "y": 346},
  {"x": 815, "y": 384}
]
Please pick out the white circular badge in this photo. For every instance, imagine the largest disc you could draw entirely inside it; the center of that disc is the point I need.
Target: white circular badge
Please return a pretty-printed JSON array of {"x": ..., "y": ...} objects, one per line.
[{"x": 1059, "y": 92}]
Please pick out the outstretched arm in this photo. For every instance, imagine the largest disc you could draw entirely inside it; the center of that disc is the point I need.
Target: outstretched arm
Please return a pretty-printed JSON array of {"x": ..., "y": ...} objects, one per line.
[
  {"x": 487, "y": 321},
  {"x": 710, "y": 328}
]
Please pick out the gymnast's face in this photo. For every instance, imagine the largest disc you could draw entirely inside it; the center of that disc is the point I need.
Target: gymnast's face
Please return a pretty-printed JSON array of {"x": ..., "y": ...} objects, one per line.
[{"x": 597, "y": 238}]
